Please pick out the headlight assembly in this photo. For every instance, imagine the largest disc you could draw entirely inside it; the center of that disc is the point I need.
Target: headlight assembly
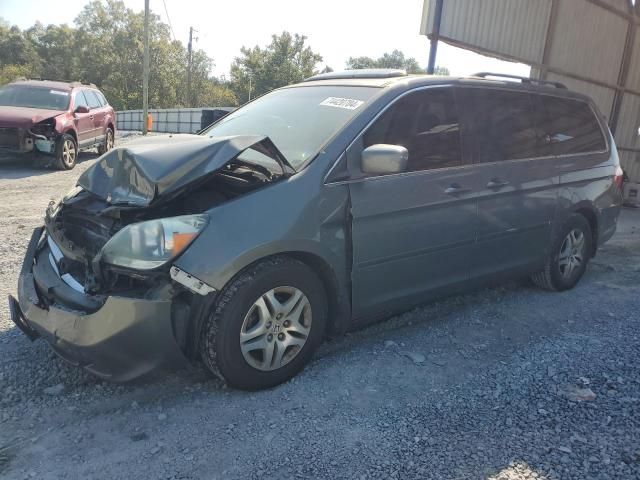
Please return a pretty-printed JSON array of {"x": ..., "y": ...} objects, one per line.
[{"x": 150, "y": 244}]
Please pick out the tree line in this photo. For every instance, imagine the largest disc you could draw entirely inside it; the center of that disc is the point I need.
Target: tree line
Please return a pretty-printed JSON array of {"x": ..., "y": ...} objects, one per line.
[{"x": 105, "y": 47}]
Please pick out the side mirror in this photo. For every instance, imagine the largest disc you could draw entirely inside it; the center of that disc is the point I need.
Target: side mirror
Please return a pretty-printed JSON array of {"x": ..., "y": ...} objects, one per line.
[
  {"x": 82, "y": 109},
  {"x": 383, "y": 159}
]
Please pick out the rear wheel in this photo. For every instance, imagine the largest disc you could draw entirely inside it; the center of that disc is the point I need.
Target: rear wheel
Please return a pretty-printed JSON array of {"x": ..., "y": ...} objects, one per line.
[
  {"x": 266, "y": 324},
  {"x": 571, "y": 252},
  {"x": 108, "y": 142},
  {"x": 66, "y": 152}
]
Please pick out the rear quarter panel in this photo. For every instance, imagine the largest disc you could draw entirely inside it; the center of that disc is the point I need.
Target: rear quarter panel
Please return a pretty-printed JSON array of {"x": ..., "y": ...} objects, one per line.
[{"x": 587, "y": 183}]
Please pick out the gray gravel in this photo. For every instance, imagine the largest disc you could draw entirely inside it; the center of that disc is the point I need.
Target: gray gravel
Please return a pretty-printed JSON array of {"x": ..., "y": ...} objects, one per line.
[{"x": 505, "y": 383}]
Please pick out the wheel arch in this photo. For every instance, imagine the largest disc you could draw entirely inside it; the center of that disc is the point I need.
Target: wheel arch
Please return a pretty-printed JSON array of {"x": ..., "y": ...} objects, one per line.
[
  {"x": 339, "y": 306},
  {"x": 339, "y": 310},
  {"x": 71, "y": 131},
  {"x": 588, "y": 211}
]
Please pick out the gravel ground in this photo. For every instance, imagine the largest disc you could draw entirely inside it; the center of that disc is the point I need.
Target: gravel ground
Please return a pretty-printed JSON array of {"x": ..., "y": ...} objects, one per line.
[{"x": 505, "y": 383}]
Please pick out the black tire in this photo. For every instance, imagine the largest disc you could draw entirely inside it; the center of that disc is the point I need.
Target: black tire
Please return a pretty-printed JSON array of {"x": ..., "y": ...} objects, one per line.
[
  {"x": 555, "y": 277},
  {"x": 66, "y": 152},
  {"x": 220, "y": 342},
  {"x": 108, "y": 142}
]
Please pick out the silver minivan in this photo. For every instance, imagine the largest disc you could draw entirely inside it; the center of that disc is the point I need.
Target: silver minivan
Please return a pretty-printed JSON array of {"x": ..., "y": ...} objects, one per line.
[{"x": 315, "y": 209}]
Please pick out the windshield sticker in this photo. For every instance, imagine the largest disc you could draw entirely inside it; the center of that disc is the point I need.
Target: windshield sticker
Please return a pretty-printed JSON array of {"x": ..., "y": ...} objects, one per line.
[
  {"x": 59, "y": 92},
  {"x": 348, "y": 103}
]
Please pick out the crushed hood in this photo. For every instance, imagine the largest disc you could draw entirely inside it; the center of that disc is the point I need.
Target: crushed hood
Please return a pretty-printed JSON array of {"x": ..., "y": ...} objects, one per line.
[
  {"x": 148, "y": 169},
  {"x": 22, "y": 117}
]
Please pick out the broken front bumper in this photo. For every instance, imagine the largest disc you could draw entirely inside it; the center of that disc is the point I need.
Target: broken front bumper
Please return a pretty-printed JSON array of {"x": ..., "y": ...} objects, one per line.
[
  {"x": 19, "y": 142},
  {"x": 123, "y": 339}
]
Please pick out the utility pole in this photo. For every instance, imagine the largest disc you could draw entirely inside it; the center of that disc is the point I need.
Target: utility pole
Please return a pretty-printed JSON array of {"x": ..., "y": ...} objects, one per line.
[
  {"x": 249, "y": 87},
  {"x": 145, "y": 70},
  {"x": 189, "y": 50}
]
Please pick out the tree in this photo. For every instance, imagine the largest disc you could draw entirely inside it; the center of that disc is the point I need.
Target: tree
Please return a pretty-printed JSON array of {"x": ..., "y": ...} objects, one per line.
[
  {"x": 441, "y": 71},
  {"x": 9, "y": 73},
  {"x": 105, "y": 47},
  {"x": 17, "y": 49},
  {"x": 213, "y": 94},
  {"x": 395, "y": 59},
  {"x": 56, "y": 44},
  {"x": 287, "y": 59}
]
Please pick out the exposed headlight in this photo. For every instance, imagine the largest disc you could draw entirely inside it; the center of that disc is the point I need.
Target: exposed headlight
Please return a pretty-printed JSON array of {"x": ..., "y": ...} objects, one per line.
[{"x": 150, "y": 244}]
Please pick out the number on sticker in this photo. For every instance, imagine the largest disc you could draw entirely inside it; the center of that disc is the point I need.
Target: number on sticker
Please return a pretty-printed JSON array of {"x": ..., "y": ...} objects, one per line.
[{"x": 348, "y": 103}]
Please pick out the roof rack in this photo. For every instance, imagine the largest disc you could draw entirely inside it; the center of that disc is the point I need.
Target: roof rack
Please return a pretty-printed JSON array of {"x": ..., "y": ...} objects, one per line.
[
  {"x": 525, "y": 80},
  {"x": 82, "y": 84},
  {"x": 361, "y": 73},
  {"x": 40, "y": 79}
]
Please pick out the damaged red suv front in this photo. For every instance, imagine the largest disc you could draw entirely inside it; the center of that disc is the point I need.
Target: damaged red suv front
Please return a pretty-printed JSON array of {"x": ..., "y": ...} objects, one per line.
[
  {"x": 50, "y": 121},
  {"x": 27, "y": 130}
]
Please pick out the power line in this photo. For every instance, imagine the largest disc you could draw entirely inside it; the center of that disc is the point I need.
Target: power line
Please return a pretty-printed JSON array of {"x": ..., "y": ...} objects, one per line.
[{"x": 168, "y": 19}]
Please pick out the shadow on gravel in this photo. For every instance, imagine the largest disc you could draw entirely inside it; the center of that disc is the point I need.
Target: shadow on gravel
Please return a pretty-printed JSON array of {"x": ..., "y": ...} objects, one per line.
[
  {"x": 465, "y": 332},
  {"x": 444, "y": 341},
  {"x": 21, "y": 169}
]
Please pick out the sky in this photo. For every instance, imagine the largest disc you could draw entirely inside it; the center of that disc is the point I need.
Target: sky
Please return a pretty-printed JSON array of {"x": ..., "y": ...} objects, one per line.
[{"x": 336, "y": 29}]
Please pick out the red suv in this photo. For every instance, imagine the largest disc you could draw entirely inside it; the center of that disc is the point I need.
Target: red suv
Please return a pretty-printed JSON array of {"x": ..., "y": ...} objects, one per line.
[{"x": 41, "y": 119}]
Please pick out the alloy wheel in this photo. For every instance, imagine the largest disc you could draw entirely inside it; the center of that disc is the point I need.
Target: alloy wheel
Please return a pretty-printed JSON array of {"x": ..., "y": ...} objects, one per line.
[
  {"x": 276, "y": 328},
  {"x": 571, "y": 254},
  {"x": 68, "y": 153},
  {"x": 109, "y": 141}
]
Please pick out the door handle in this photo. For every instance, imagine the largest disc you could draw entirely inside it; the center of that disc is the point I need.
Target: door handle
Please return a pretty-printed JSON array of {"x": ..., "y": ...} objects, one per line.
[
  {"x": 497, "y": 183},
  {"x": 455, "y": 189},
  {"x": 91, "y": 117}
]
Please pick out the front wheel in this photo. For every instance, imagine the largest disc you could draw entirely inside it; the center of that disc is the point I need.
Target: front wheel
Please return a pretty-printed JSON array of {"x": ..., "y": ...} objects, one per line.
[
  {"x": 571, "y": 251},
  {"x": 66, "y": 152},
  {"x": 266, "y": 324}
]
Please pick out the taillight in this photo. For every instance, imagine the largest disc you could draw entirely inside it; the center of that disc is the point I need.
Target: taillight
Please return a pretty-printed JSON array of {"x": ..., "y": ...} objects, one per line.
[{"x": 618, "y": 177}]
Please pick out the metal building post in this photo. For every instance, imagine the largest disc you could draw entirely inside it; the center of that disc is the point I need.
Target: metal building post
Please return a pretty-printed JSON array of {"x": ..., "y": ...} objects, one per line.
[
  {"x": 548, "y": 39},
  {"x": 627, "y": 55},
  {"x": 433, "y": 50}
]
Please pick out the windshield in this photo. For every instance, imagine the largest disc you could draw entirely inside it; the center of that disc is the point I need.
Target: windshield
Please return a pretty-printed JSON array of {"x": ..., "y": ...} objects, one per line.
[
  {"x": 299, "y": 121},
  {"x": 33, "y": 97}
]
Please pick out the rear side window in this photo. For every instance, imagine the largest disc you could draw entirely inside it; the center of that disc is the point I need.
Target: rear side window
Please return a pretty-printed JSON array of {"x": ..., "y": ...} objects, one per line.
[
  {"x": 500, "y": 124},
  {"x": 568, "y": 126},
  {"x": 102, "y": 99},
  {"x": 92, "y": 99},
  {"x": 426, "y": 124}
]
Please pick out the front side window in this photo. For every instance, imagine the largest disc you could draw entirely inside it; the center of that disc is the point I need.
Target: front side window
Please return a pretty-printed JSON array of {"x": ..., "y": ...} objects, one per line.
[
  {"x": 16, "y": 95},
  {"x": 568, "y": 126},
  {"x": 500, "y": 124},
  {"x": 299, "y": 121},
  {"x": 426, "y": 124},
  {"x": 79, "y": 100}
]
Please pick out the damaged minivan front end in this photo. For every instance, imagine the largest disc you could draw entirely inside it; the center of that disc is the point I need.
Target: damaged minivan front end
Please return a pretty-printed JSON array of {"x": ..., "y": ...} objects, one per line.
[{"x": 99, "y": 281}]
